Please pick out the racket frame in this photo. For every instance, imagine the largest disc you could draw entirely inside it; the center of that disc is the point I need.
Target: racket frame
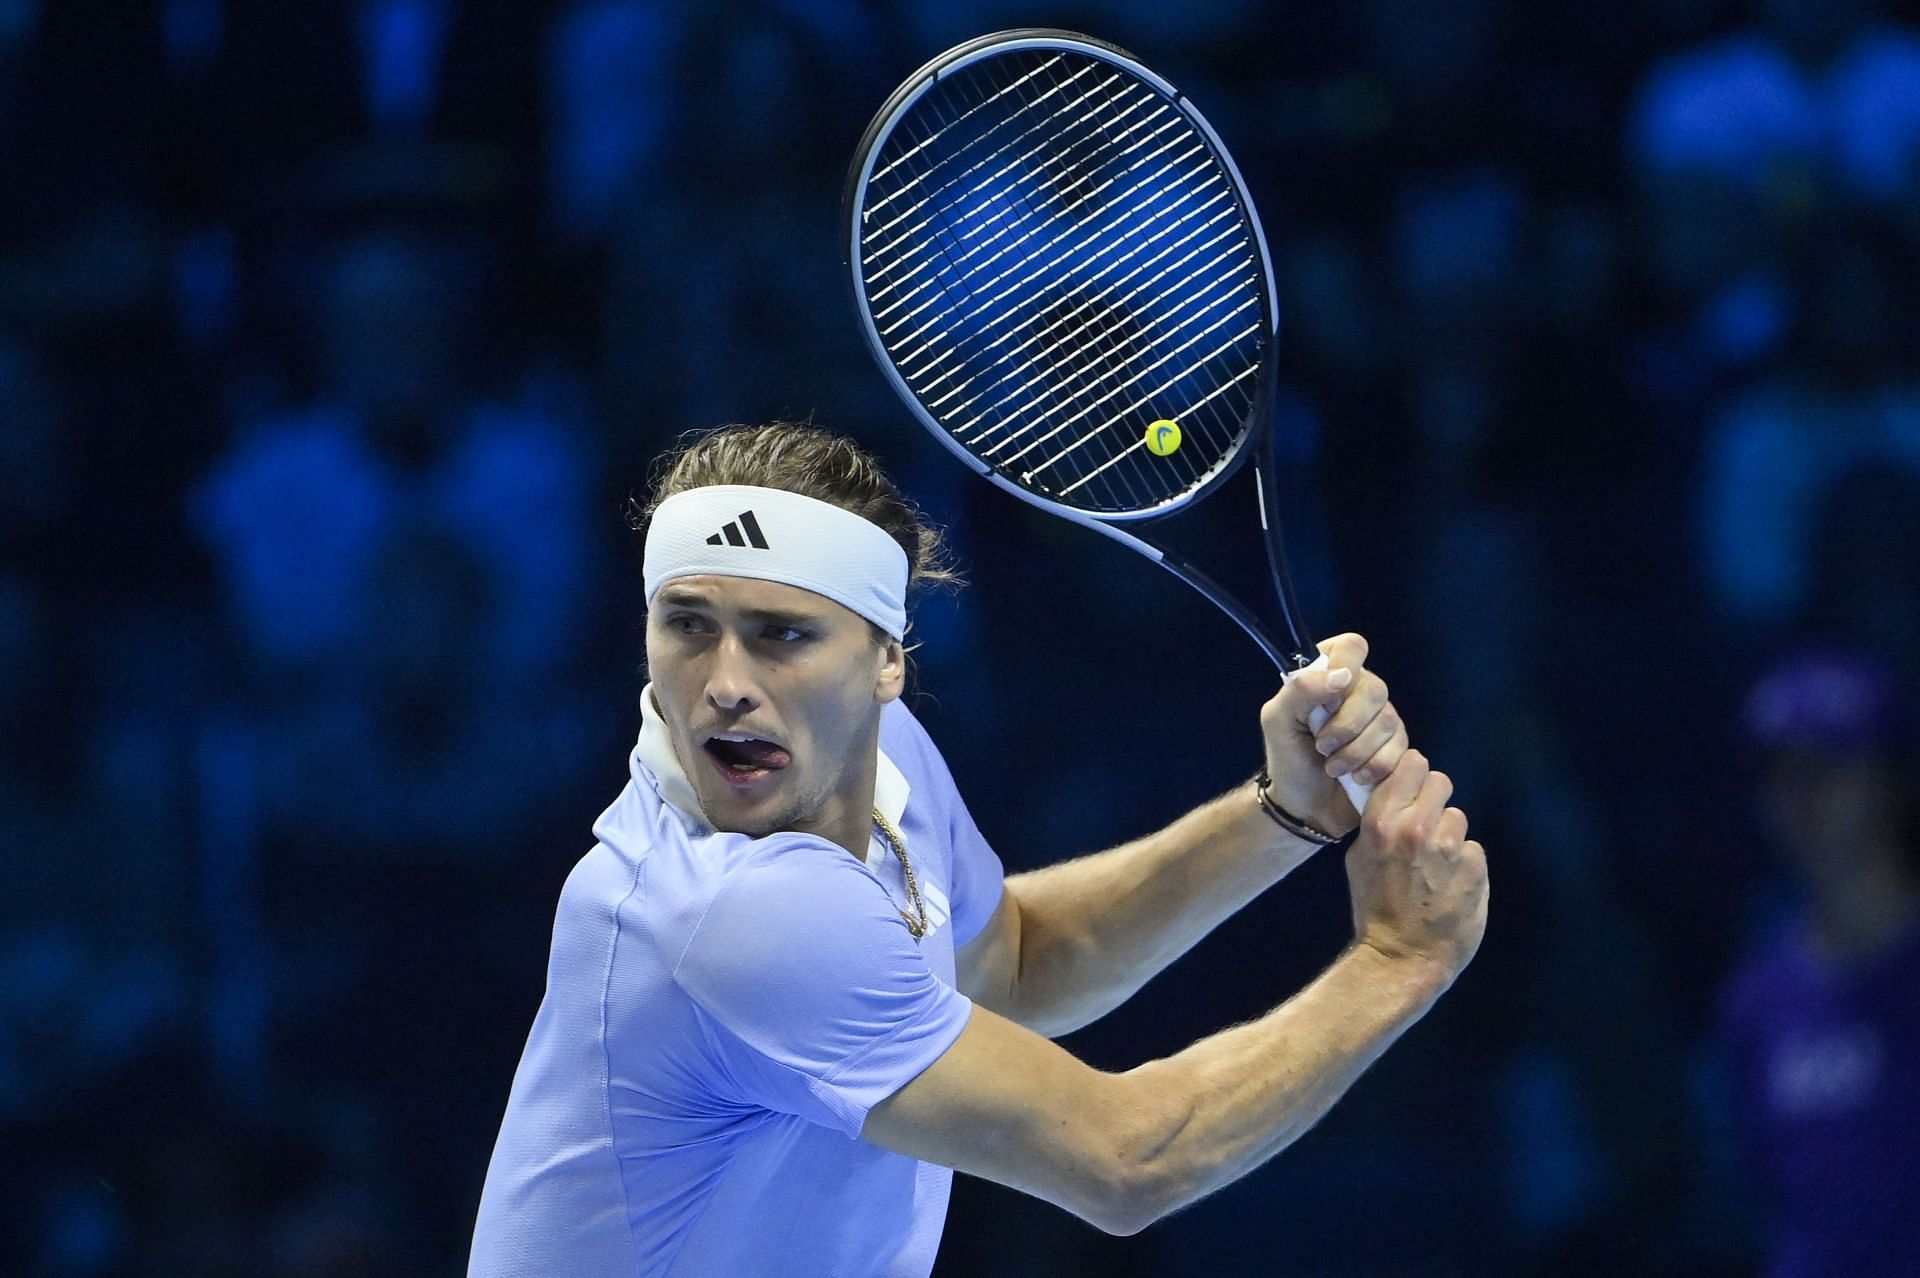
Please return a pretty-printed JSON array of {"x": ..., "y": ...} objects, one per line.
[{"x": 1297, "y": 651}]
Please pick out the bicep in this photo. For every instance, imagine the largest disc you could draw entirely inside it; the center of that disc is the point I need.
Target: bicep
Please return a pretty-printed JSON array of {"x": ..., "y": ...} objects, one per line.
[{"x": 1006, "y": 1104}]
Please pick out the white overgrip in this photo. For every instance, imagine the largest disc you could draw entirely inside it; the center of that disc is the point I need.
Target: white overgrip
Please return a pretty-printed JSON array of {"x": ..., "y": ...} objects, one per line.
[{"x": 1357, "y": 794}]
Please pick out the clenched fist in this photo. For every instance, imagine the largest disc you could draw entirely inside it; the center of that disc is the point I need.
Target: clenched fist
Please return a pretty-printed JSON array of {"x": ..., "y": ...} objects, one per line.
[
  {"x": 1419, "y": 884},
  {"x": 1362, "y": 735}
]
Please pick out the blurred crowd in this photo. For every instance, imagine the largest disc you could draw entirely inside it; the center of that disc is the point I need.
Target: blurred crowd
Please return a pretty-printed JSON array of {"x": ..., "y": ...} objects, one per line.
[{"x": 335, "y": 336}]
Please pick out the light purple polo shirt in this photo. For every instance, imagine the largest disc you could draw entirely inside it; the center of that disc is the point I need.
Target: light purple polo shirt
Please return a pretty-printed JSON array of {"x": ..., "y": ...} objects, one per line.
[{"x": 721, "y": 1013}]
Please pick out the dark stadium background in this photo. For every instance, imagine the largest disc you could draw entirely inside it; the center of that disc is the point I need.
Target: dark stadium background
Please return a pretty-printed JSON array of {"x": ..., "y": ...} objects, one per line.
[{"x": 335, "y": 337}]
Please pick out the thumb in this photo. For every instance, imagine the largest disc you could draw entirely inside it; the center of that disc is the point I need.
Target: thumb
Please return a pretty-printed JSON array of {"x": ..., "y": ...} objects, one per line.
[{"x": 1314, "y": 690}]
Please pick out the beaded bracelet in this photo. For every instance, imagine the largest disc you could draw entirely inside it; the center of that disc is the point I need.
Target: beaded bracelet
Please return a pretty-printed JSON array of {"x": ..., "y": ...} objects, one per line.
[{"x": 1286, "y": 820}]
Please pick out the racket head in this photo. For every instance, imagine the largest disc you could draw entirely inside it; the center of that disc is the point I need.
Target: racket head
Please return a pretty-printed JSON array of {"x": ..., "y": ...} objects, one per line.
[{"x": 1051, "y": 251}]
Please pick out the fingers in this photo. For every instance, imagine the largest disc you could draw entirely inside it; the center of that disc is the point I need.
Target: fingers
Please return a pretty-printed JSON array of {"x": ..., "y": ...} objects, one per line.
[
  {"x": 1326, "y": 689},
  {"x": 1346, "y": 711},
  {"x": 1474, "y": 857},
  {"x": 1293, "y": 706},
  {"x": 1415, "y": 795},
  {"x": 1372, "y": 749},
  {"x": 1364, "y": 699},
  {"x": 1400, "y": 788},
  {"x": 1347, "y": 651},
  {"x": 1435, "y": 790},
  {"x": 1353, "y": 732},
  {"x": 1386, "y": 758}
]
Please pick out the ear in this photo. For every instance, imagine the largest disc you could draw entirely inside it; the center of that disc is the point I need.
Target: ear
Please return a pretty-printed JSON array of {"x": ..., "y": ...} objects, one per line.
[{"x": 893, "y": 672}]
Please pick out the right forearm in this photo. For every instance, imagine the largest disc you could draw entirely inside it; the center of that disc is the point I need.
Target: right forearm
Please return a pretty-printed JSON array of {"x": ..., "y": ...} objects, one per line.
[
  {"x": 1228, "y": 1103},
  {"x": 1122, "y": 1150}
]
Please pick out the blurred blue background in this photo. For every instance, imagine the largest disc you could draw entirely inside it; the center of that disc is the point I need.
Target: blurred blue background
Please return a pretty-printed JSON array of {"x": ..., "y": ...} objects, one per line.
[{"x": 334, "y": 337}]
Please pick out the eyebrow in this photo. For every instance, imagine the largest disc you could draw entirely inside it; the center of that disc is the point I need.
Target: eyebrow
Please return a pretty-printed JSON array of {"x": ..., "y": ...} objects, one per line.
[{"x": 682, "y": 598}]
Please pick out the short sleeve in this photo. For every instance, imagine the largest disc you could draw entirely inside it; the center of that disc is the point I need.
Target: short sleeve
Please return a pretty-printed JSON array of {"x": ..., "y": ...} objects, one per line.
[
  {"x": 978, "y": 877},
  {"x": 826, "y": 1004}
]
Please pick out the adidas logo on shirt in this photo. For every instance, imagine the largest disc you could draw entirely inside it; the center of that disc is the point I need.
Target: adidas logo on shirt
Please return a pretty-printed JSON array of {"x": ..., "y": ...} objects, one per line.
[{"x": 731, "y": 533}]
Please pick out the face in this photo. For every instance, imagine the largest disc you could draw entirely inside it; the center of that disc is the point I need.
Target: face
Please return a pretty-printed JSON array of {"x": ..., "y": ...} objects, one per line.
[{"x": 772, "y": 695}]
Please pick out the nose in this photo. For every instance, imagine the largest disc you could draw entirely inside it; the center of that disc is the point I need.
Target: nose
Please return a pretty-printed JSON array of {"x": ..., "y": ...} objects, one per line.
[{"x": 731, "y": 683}]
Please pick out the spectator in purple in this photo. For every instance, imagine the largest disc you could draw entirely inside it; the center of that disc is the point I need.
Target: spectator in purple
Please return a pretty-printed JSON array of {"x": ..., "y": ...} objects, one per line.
[{"x": 1823, "y": 1020}]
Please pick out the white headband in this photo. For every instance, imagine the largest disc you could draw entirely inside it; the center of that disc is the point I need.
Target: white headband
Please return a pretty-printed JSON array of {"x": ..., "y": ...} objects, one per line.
[{"x": 770, "y": 534}]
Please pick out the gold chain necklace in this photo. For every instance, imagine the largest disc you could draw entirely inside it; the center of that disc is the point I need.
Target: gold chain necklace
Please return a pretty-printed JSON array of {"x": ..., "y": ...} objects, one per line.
[{"x": 917, "y": 921}]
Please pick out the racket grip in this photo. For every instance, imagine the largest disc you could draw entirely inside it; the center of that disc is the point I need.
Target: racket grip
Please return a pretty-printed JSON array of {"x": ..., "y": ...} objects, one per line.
[{"x": 1357, "y": 794}]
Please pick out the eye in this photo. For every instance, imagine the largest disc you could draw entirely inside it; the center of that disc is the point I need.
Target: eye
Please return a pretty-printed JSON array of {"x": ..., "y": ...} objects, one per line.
[
  {"x": 786, "y": 634},
  {"x": 686, "y": 623}
]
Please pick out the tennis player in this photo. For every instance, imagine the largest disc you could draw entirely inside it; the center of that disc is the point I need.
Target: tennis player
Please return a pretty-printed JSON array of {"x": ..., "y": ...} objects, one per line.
[{"x": 789, "y": 988}]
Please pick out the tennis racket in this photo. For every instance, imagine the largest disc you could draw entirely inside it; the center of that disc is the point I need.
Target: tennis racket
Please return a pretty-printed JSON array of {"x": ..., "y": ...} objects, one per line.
[{"x": 1060, "y": 270}]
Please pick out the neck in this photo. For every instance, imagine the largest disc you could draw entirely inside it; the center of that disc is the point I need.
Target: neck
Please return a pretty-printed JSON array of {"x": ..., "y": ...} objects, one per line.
[{"x": 846, "y": 818}]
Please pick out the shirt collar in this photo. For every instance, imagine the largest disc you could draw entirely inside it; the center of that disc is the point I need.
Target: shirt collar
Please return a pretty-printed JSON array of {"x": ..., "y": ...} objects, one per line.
[{"x": 654, "y": 752}]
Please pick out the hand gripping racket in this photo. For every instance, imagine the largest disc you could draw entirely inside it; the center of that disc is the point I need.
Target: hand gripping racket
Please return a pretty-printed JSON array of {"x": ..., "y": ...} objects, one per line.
[{"x": 1061, "y": 272}]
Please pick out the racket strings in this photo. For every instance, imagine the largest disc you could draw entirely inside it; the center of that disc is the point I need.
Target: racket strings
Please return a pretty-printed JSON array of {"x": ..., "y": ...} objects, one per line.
[
  {"x": 1111, "y": 296},
  {"x": 1012, "y": 164},
  {"x": 1103, "y": 335},
  {"x": 1139, "y": 235},
  {"x": 1218, "y": 272},
  {"x": 1135, "y": 239},
  {"x": 1103, "y": 122},
  {"x": 1054, "y": 257},
  {"x": 1097, "y": 335},
  {"x": 1037, "y": 225},
  {"x": 945, "y": 221},
  {"x": 1013, "y": 199},
  {"x": 881, "y": 174},
  {"x": 978, "y": 287}
]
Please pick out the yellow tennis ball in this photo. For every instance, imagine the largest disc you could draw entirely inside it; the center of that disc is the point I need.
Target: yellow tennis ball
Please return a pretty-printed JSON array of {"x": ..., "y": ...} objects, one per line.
[{"x": 1163, "y": 438}]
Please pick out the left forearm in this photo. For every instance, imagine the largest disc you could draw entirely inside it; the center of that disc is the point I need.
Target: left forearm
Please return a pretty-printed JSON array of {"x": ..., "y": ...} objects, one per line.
[{"x": 1094, "y": 930}]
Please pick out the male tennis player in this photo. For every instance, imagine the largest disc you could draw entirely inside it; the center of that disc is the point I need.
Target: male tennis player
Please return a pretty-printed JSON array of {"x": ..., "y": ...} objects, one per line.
[{"x": 789, "y": 989}]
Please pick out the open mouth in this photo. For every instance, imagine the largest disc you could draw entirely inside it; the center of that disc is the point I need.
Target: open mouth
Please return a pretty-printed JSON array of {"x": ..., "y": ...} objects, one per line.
[{"x": 742, "y": 759}]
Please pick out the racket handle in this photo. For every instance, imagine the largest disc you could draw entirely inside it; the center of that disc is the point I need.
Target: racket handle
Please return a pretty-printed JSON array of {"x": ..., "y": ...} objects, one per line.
[{"x": 1357, "y": 794}]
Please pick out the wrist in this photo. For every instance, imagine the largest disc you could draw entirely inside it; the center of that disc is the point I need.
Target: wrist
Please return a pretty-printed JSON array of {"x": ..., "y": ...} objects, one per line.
[
  {"x": 1420, "y": 977},
  {"x": 1301, "y": 828}
]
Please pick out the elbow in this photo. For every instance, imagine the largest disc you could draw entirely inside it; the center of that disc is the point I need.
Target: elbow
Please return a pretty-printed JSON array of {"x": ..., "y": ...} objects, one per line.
[
  {"x": 1125, "y": 1152},
  {"x": 1124, "y": 1221},
  {"x": 1140, "y": 1180},
  {"x": 1130, "y": 1199},
  {"x": 1114, "y": 1206}
]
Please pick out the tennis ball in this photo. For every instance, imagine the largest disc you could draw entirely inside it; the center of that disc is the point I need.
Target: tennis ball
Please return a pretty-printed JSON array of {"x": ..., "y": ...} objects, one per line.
[{"x": 1163, "y": 438}]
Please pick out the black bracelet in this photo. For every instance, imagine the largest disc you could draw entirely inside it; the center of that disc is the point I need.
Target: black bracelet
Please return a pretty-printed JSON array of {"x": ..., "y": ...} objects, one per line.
[{"x": 1296, "y": 826}]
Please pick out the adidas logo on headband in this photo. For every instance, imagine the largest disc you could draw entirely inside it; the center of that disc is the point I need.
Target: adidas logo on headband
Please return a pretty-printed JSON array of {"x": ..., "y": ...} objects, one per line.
[{"x": 730, "y": 533}]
